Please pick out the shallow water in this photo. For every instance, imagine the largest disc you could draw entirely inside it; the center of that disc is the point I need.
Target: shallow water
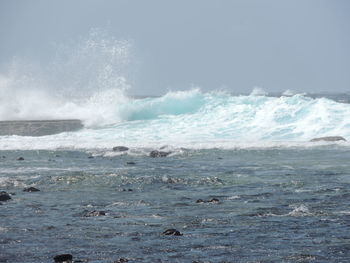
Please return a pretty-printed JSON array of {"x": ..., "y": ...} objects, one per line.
[
  {"x": 276, "y": 205},
  {"x": 281, "y": 197}
]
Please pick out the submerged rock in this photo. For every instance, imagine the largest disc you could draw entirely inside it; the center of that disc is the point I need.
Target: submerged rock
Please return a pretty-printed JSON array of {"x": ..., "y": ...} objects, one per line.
[
  {"x": 121, "y": 260},
  {"x": 328, "y": 139},
  {"x": 4, "y": 196},
  {"x": 120, "y": 148},
  {"x": 130, "y": 163},
  {"x": 156, "y": 154},
  {"x": 172, "y": 232},
  {"x": 31, "y": 189},
  {"x": 63, "y": 258},
  {"x": 20, "y": 159}
]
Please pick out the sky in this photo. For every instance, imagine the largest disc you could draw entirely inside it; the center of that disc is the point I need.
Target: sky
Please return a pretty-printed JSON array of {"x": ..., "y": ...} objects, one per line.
[{"x": 234, "y": 45}]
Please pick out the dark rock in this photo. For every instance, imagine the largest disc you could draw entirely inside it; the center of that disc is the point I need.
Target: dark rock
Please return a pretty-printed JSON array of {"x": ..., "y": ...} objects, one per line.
[
  {"x": 31, "y": 189},
  {"x": 131, "y": 163},
  {"x": 4, "y": 196},
  {"x": 328, "y": 139},
  {"x": 156, "y": 154},
  {"x": 91, "y": 157},
  {"x": 127, "y": 190},
  {"x": 57, "y": 155},
  {"x": 213, "y": 200},
  {"x": 120, "y": 149},
  {"x": 63, "y": 258},
  {"x": 172, "y": 232},
  {"x": 94, "y": 213},
  {"x": 121, "y": 260},
  {"x": 20, "y": 159}
]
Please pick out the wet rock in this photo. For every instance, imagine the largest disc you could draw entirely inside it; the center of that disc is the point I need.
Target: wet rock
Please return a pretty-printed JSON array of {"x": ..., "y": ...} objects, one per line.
[
  {"x": 328, "y": 139},
  {"x": 94, "y": 213},
  {"x": 121, "y": 260},
  {"x": 4, "y": 196},
  {"x": 63, "y": 258},
  {"x": 90, "y": 157},
  {"x": 172, "y": 232},
  {"x": 120, "y": 148},
  {"x": 20, "y": 159},
  {"x": 130, "y": 163},
  {"x": 31, "y": 189},
  {"x": 213, "y": 200},
  {"x": 127, "y": 190},
  {"x": 157, "y": 154}
]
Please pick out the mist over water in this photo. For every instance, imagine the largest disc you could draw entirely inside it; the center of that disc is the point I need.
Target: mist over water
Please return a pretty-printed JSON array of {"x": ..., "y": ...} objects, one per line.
[
  {"x": 85, "y": 80},
  {"x": 236, "y": 175},
  {"x": 88, "y": 80}
]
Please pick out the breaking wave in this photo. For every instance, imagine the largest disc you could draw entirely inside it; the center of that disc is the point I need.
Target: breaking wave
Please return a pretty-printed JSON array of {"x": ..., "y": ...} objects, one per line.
[
  {"x": 203, "y": 120},
  {"x": 89, "y": 81}
]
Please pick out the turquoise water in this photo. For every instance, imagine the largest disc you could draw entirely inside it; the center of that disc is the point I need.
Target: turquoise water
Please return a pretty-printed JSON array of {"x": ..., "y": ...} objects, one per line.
[
  {"x": 281, "y": 197},
  {"x": 193, "y": 119}
]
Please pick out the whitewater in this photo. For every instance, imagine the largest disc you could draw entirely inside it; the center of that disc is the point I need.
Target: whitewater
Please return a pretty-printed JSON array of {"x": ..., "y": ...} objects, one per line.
[
  {"x": 191, "y": 119},
  {"x": 239, "y": 179},
  {"x": 90, "y": 80}
]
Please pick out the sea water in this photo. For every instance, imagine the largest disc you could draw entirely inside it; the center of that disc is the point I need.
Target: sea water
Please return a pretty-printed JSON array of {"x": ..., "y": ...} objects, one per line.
[
  {"x": 269, "y": 194},
  {"x": 281, "y": 197}
]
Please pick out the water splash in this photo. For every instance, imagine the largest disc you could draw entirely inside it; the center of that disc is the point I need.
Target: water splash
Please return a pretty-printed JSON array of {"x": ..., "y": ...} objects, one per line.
[
  {"x": 194, "y": 119},
  {"x": 85, "y": 80}
]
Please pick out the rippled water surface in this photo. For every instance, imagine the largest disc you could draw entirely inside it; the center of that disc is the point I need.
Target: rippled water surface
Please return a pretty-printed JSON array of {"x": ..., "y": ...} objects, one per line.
[{"x": 275, "y": 205}]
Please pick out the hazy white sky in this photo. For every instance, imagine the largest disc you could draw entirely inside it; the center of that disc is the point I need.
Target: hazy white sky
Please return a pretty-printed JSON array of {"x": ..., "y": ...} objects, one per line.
[{"x": 302, "y": 45}]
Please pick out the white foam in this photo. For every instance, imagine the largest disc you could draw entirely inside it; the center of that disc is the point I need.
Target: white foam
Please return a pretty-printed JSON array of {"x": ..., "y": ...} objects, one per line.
[
  {"x": 258, "y": 91},
  {"x": 86, "y": 81},
  {"x": 300, "y": 210}
]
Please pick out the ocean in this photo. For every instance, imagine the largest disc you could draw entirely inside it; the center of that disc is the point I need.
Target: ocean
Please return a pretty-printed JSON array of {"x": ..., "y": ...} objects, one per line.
[{"x": 235, "y": 175}]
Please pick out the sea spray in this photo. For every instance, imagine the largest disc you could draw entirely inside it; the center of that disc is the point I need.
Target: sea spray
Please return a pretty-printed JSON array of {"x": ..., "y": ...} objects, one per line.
[
  {"x": 86, "y": 80},
  {"x": 194, "y": 119}
]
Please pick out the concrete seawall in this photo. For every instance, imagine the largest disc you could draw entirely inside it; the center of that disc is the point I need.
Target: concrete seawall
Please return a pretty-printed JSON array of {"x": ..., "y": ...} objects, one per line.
[{"x": 38, "y": 127}]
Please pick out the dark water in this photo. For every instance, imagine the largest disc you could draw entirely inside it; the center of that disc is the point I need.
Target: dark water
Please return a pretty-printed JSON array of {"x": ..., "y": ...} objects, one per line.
[{"x": 275, "y": 205}]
